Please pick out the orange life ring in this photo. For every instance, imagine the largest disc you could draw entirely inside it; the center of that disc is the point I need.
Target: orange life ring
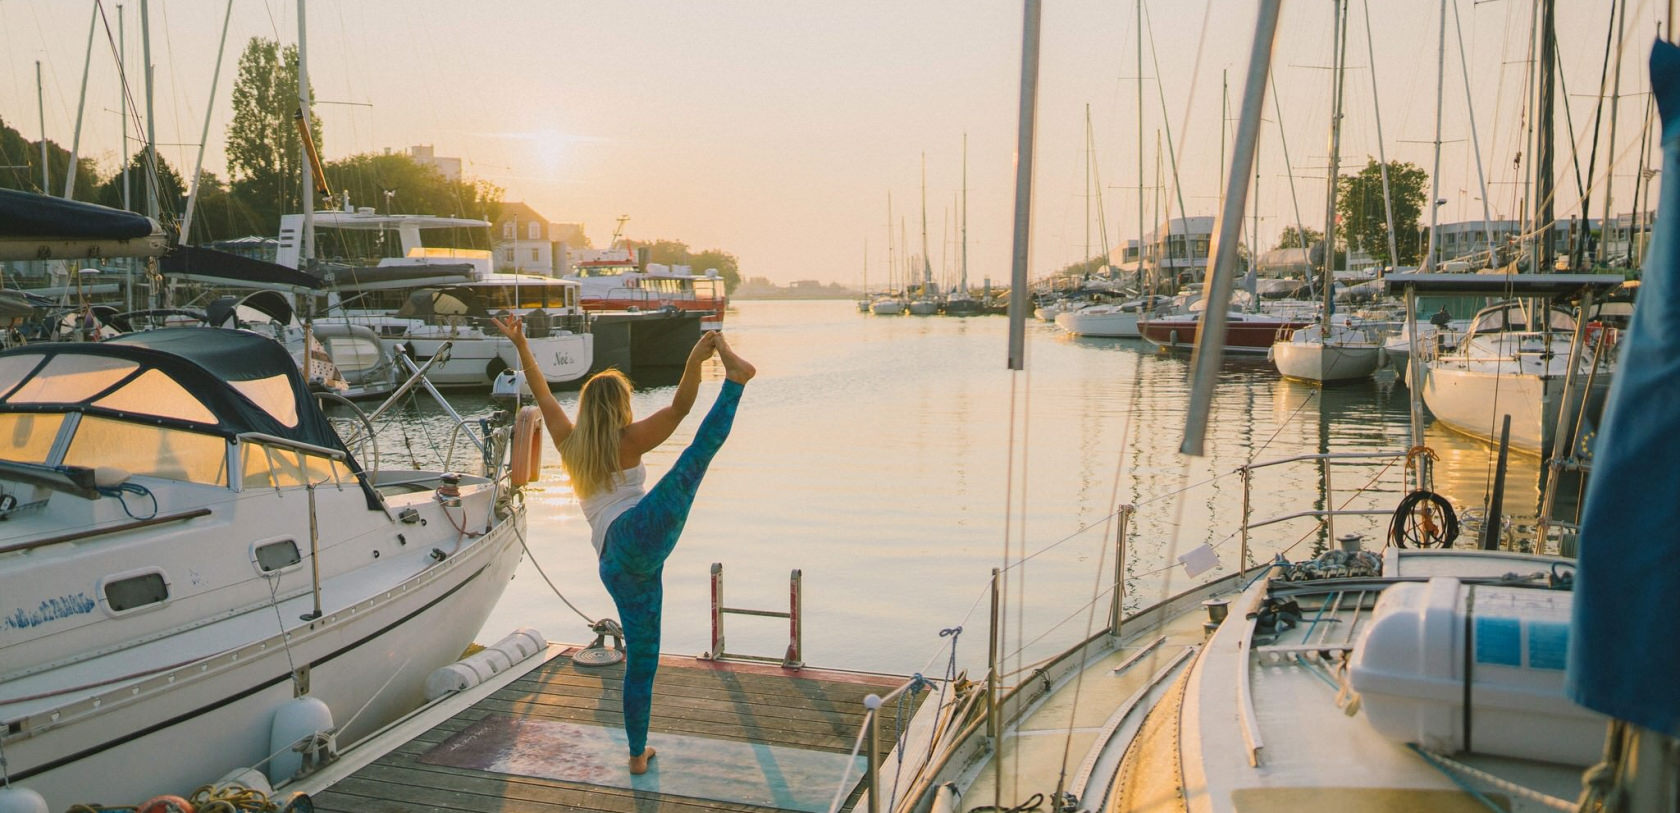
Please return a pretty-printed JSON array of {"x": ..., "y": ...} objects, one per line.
[{"x": 526, "y": 465}]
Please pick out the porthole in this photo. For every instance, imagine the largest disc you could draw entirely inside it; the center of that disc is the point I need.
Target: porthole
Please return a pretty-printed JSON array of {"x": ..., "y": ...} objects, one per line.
[
  {"x": 132, "y": 592},
  {"x": 277, "y": 555}
]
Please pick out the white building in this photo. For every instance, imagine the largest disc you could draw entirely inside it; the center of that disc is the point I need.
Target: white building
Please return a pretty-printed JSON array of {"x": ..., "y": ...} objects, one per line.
[
  {"x": 424, "y": 154},
  {"x": 528, "y": 242}
]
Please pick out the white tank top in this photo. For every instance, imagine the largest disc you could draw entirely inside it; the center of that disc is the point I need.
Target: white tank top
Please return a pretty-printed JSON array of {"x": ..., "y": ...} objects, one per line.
[{"x": 605, "y": 506}]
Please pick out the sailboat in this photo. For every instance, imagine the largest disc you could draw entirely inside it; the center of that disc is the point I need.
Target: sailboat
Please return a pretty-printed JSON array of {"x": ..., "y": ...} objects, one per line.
[
  {"x": 888, "y": 303},
  {"x": 1329, "y": 350},
  {"x": 959, "y": 302},
  {"x": 925, "y": 302}
]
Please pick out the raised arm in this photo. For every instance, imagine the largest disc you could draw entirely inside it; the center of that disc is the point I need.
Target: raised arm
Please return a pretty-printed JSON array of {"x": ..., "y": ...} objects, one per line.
[
  {"x": 643, "y": 435},
  {"x": 559, "y": 426}
]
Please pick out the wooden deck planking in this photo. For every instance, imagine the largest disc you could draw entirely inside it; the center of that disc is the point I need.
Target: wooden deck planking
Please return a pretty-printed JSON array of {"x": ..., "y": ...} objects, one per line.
[{"x": 811, "y": 709}]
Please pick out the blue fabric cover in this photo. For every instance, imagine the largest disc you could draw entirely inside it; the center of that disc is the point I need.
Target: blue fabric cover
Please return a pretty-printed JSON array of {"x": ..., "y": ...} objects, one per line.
[{"x": 1624, "y": 660}]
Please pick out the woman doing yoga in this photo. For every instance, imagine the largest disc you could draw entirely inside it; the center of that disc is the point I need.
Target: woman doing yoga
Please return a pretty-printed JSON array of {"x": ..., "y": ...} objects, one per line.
[{"x": 633, "y": 529}]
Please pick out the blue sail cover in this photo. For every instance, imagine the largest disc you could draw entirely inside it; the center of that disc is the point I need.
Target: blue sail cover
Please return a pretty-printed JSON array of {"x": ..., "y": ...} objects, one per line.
[{"x": 1624, "y": 660}]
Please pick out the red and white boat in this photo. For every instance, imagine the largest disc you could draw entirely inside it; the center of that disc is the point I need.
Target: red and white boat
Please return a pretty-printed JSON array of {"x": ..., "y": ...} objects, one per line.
[
  {"x": 612, "y": 280},
  {"x": 1244, "y": 332}
]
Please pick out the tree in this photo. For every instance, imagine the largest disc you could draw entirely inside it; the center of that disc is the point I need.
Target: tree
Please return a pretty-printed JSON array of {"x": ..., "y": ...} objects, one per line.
[
  {"x": 20, "y": 166},
  {"x": 172, "y": 194},
  {"x": 727, "y": 267},
  {"x": 263, "y": 149},
  {"x": 1304, "y": 237},
  {"x": 1359, "y": 207}
]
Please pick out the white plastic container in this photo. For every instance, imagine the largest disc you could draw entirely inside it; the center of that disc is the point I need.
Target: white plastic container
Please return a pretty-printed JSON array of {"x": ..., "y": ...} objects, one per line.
[{"x": 1411, "y": 667}]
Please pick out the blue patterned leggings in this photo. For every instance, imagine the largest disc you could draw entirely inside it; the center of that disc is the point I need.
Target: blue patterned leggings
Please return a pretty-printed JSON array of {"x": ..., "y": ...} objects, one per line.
[{"x": 633, "y": 559}]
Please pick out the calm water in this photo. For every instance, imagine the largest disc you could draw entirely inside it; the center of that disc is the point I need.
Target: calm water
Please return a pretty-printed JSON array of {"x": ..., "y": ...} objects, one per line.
[{"x": 892, "y": 459}]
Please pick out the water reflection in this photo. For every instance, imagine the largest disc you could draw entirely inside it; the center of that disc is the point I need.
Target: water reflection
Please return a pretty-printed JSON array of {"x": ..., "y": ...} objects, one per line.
[{"x": 894, "y": 459}]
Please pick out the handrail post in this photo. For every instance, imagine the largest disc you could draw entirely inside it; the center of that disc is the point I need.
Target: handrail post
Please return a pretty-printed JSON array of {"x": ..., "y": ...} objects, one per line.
[
  {"x": 872, "y": 719},
  {"x": 1242, "y": 555},
  {"x": 796, "y": 636},
  {"x": 717, "y": 609},
  {"x": 1329, "y": 504},
  {"x": 994, "y": 728},
  {"x": 1116, "y": 609},
  {"x": 314, "y": 541}
]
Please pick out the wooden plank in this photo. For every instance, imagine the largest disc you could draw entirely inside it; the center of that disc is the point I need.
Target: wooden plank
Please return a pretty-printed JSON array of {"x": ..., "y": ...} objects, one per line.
[{"x": 754, "y": 703}]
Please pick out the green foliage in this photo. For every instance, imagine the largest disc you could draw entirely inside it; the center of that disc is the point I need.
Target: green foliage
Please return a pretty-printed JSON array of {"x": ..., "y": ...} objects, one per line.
[
  {"x": 1304, "y": 237},
  {"x": 264, "y": 152},
  {"x": 1359, "y": 206},
  {"x": 21, "y": 162},
  {"x": 172, "y": 194}
]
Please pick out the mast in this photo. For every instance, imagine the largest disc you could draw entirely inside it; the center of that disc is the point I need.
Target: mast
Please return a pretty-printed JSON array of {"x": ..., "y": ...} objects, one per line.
[
  {"x": 151, "y": 120},
  {"x": 122, "y": 74},
  {"x": 81, "y": 107},
  {"x": 1475, "y": 141},
  {"x": 41, "y": 111},
  {"x": 204, "y": 135},
  {"x": 307, "y": 257},
  {"x": 1435, "y": 174},
  {"x": 1615, "y": 102},
  {"x": 1543, "y": 137},
  {"x": 1154, "y": 284},
  {"x": 963, "y": 274},
  {"x": 892, "y": 261},
  {"x": 1210, "y": 337},
  {"x": 1338, "y": 58},
  {"x": 927, "y": 270},
  {"x": 1023, "y": 215},
  {"x": 1382, "y": 155}
]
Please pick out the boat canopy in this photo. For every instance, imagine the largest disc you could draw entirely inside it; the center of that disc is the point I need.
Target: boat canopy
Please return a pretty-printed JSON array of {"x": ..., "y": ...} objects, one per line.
[
  {"x": 224, "y": 382},
  {"x": 1507, "y": 285}
]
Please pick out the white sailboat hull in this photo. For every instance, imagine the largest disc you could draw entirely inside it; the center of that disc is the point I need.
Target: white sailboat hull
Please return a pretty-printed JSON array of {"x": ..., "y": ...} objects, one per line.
[
  {"x": 476, "y": 360},
  {"x": 372, "y": 656},
  {"x": 1474, "y": 402},
  {"x": 1100, "y": 321},
  {"x": 1321, "y": 362}
]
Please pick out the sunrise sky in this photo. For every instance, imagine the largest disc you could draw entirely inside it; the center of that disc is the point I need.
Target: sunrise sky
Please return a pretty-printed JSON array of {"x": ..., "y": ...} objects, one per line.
[{"x": 776, "y": 130}]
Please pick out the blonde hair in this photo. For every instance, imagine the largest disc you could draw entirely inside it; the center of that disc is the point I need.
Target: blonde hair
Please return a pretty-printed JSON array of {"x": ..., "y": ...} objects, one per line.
[{"x": 590, "y": 453}]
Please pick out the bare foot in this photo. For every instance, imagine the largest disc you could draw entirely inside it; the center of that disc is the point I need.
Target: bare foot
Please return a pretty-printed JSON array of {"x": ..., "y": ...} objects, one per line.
[
  {"x": 639, "y": 765},
  {"x": 735, "y": 368}
]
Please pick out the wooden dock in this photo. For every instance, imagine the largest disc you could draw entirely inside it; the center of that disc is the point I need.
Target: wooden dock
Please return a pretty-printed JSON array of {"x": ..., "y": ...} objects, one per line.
[{"x": 730, "y": 736}]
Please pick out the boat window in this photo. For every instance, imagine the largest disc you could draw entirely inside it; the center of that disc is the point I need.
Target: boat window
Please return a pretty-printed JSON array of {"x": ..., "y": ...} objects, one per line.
[
  {"x": 277, "y": 555},
  {"x": 136, "y": 591},
  {"x": 1562, "y": 320},
  {"x": 28, "y": 437},
  {"x": 72, "y": 377},
  {"x": 155, "y": 393},
  {"x": 273, "y": 394},
  {"x": 155, "y": 451},
  {"x": 14, "y": 368},
  {"x": 272, "y": 467}
]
